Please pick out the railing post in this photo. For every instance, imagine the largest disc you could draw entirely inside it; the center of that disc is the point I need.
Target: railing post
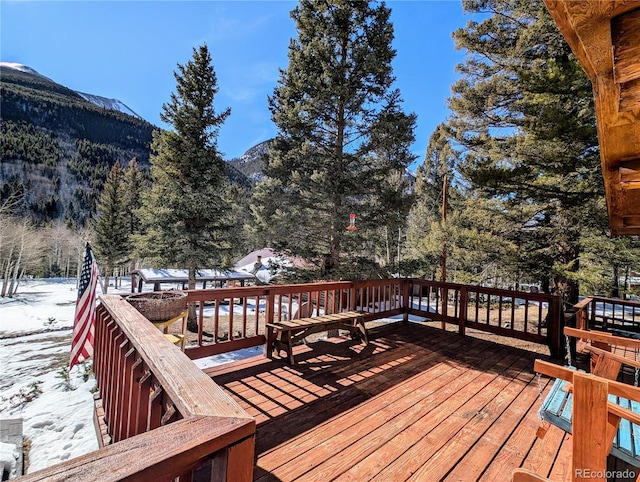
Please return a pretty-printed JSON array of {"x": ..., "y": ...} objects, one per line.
[
  {"x": 462, "y": 312},
  {"x": 269, "y": 315},
  {"x": 444, "y": 307},
  {"x": 407, "y": 289},
  {"x": 555, "y": 328},
  {"x": 353, "y": 292}
]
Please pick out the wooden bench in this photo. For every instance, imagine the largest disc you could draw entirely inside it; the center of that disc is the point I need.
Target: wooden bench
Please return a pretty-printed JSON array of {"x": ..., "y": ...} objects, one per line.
[
  {"x": 283, "y": 335},
  {"x": 557, "y": 408}
]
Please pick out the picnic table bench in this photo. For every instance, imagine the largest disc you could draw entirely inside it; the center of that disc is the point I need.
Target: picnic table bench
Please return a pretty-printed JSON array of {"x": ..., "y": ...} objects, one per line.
[{"x": 283, "y": 335}]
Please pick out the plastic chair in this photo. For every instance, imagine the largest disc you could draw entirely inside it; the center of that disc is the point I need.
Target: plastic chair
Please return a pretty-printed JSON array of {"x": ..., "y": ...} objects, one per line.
[{"x": 178, "y": 339}]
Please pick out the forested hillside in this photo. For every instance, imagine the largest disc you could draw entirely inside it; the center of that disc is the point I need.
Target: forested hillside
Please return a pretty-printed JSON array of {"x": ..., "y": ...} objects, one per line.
[{"x": 57, "y": 148}]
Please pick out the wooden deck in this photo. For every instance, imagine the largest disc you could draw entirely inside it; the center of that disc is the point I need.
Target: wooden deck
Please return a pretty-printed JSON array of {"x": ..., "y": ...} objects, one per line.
[{"x": 417, "y": 403}]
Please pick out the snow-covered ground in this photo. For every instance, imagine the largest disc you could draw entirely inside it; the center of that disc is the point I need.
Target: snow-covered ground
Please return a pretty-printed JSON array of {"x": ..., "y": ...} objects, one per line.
[{"x": 56, "y": 405}]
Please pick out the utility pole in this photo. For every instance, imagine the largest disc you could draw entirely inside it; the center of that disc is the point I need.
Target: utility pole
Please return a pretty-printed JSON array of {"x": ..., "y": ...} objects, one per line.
[{"x": 443, "y": 268}]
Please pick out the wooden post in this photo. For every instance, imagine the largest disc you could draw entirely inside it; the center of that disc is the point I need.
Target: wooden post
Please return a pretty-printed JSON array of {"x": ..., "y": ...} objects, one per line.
[
  {"x": 269, "y": 316},
  {"x": 462, "y": 313},
  {"x": 407, "y": 290},
  {"x": 444, "y": 305},
  {"x": 590, "y": 447},
  {"x": 353, "y": 292},
  {"x": 555, "y": 329}
]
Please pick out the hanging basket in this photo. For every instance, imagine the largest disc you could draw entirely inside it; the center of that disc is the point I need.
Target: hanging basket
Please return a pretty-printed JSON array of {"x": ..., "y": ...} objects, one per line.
[{"x": 159, "y": 305}]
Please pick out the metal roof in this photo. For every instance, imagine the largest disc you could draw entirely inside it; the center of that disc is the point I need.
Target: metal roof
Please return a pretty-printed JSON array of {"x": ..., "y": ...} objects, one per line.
[{"x": 171, "y": 275}]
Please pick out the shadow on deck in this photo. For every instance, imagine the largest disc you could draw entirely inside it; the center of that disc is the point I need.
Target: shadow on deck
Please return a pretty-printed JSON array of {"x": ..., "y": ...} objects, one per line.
[{"x": 418, "y": 403}]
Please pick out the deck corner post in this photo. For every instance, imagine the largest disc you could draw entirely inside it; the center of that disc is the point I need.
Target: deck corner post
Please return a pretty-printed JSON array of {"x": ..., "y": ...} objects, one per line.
[
  {"x": 239, "y": 461},
  {"x": 268, "y": 344},
  {"x": 555, "y": 329},
  {"x": 462, "y": 314},
  {"x": 353, "y": 292},
  {"x": 269, "y": 313}
]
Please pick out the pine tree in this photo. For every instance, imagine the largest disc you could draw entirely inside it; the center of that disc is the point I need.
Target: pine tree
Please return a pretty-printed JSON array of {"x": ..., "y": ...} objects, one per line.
[
  {"x": 134, "y": 185},
  {"x": 426, "y": 239},
  {"x": 523, "y": 116},
  {"x": 184, "y": 214},
  {"x": 341, "y": 133},
  {"x": 111, "y": 235}
]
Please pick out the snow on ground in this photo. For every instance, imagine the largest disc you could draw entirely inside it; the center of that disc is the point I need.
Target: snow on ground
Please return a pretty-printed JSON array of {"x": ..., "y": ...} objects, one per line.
[{"x": 35, "y": 384}]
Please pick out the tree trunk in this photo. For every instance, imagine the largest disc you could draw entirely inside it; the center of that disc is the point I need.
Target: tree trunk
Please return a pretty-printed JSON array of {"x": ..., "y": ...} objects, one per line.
[
  {"x": 615, "y": 288},
  {"x": 545, "y": 285},
  {"x": 5, "y": 278},
  {"x": 132, "y": 267}
]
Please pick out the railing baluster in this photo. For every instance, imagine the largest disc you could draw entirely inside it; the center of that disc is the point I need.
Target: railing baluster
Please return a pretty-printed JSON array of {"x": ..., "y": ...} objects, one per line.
[
  {"x": 154, "y": 419},
  {"x": 540, "y": 319},
  {"x": 244, "y": 318},
  {"x": 216, "y": 320},
  {"x": 231, "y": 310},
  {"x": 200, "y": 322},
  {"x": 488, "y": 309}
]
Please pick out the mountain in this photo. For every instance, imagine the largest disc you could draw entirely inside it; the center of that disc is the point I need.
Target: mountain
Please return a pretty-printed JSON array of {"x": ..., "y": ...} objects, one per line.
[
  {"x": 58, "y": 145},
  {"x": 250, "y": 163},
  {"x": 103, "y": 102},
  {"x": 111, "y": 104}
]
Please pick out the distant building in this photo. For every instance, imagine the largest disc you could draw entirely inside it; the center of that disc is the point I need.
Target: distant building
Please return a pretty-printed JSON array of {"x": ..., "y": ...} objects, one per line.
[{"x": 265, "y": 264}]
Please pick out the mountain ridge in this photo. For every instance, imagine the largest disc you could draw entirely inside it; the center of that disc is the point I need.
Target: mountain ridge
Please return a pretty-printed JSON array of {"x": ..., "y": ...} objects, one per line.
[
  {"x": 104, "y": 102},
  {"x": 58, "y": 147}
]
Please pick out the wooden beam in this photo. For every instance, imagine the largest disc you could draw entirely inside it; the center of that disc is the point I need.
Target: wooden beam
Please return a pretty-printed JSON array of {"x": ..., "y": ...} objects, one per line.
[
  {"x": 625, "y": 37},
  {"x": 630, "y": 96},
  {"x": 630, "y": 172},
  {"x": 589, "y": 425},
  {"x": 603, "y": 337},
  {"x": 524, "y": 475},
  {"x": 605, "y": 37},
  {"x": 565, "y": 22}
]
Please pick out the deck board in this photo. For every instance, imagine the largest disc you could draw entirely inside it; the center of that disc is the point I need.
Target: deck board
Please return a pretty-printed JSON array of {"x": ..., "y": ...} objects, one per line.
[{"x": 418, "y": 403}]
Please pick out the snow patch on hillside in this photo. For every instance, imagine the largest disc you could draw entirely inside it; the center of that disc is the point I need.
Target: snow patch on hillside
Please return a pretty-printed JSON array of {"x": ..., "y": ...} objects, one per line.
[
  {"x": 111, "y": 104},
  {"x": 22, "y": 68}
]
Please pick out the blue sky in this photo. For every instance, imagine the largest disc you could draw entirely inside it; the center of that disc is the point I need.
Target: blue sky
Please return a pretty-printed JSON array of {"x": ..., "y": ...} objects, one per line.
[{"x": 129, "y": 51}]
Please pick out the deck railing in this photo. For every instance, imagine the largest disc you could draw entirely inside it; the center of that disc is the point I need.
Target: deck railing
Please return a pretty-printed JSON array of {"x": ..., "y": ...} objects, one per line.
[
  {"x": 609, "y": 314},
  {"x": 167, "y": 419},
  {"x": 234, "y": 318},
  {"x": 535, "y": 317}
]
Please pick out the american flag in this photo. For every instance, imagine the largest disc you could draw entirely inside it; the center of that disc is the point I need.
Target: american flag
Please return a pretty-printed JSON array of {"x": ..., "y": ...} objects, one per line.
[{"x": 82, "y": 342}]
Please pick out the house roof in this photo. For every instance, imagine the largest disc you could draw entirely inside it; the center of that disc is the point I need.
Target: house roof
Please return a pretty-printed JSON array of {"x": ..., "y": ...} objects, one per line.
[
  {"x": 605, "y": 37},
  {"x": 267, "y": 253},
  {"x": 170, "y": 275}
]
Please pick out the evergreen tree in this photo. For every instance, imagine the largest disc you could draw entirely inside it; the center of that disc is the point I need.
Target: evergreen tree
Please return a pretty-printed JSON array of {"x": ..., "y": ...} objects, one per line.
[
  {"x": 524, "y": 119},
  {"x": 111, "y": 235},
  {"x": 185, "y": 213},
  {"x": 134, "y": 184},
  {"x": 341, "y": 132},
  {"x": 427, "y": 240}
]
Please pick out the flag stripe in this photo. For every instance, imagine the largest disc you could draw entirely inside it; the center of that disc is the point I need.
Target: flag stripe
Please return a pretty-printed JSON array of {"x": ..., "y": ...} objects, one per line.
[{"x": 83, "y": 323}]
